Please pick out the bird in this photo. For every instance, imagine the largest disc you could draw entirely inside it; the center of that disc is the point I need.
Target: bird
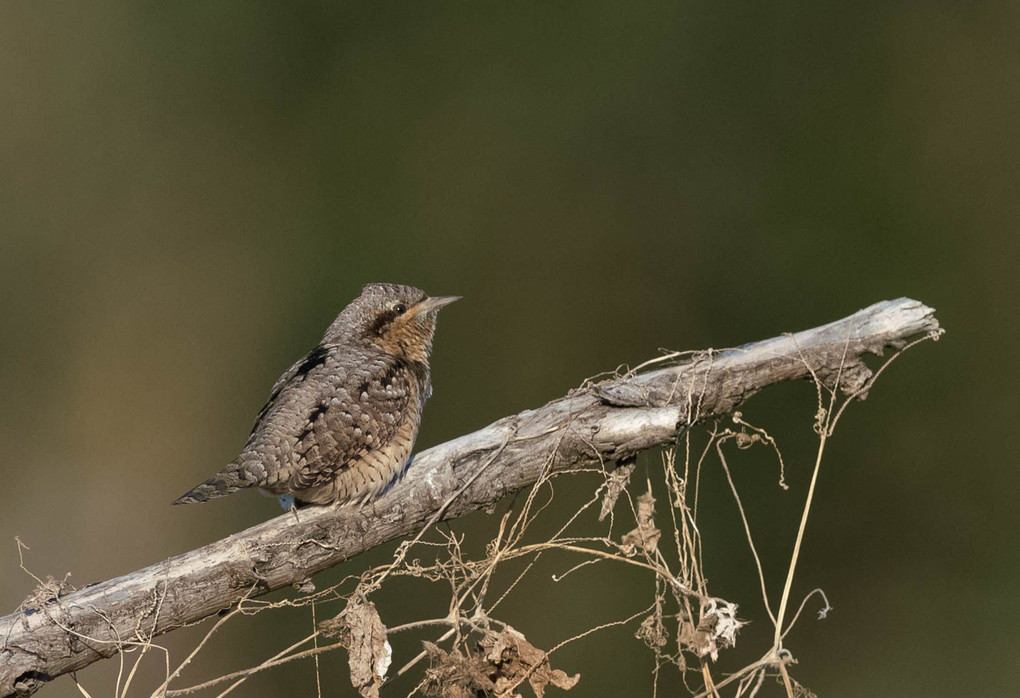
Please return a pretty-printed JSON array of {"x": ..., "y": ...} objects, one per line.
[{"x": 340, "y": 423}]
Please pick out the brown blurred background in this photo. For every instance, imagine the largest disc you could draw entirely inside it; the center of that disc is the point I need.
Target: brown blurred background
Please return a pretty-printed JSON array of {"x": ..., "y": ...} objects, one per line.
[{"x": 189, "y": 192}]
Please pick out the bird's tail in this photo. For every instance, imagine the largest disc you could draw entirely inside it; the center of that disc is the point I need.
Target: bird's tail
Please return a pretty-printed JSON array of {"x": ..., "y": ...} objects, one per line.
[{"x": 229, "y": 480}]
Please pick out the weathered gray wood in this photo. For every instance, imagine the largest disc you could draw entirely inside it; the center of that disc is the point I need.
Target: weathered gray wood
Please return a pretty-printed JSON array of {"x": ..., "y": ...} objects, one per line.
[{"x": 604, "y": 422}]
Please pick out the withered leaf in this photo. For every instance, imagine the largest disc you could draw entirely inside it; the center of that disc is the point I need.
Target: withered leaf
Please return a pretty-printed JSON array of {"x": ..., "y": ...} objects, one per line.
[
  {"x": 646, "y": 535},
  {"x": 359, "y": 629},
  {"x": 615, "y": 484},
  {"x": 454, "y": 675},
  {"x": 512, "y": 659},
  {"x": 717, "y": 629}
]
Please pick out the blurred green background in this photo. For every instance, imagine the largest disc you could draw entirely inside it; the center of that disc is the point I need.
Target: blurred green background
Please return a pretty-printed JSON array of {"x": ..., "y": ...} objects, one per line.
[{"x": 189, "y": 192}]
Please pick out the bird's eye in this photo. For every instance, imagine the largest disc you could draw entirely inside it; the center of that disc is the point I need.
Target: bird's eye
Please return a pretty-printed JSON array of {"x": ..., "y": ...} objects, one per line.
[{"x": 400, "y": 308}]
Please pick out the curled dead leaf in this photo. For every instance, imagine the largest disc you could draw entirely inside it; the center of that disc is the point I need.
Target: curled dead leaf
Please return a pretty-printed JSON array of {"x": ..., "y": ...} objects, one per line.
[
  {"x": 454, "y": 675},
  {"x": 512, "y": 660},
  {"x": 645, "y": 536},
  {"x": 359, "y": 629},
  {"x": 498, "y": 665},
  {"x": 716, "y": 630},
  {"x": 615, "y": 484}
]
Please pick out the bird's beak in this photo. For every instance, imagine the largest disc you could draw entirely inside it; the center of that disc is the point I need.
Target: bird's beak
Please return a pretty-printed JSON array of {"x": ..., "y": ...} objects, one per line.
[{"x": 431, "y": 305}]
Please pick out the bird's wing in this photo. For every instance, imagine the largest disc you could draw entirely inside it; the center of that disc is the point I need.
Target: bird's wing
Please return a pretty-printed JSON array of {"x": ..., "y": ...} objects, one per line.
[
  {"x": 356, "y": 409},
  {"x": 366, "y": 413},
  {"x": 300, "y": 370},
  {"x": 267, "y": 458}
]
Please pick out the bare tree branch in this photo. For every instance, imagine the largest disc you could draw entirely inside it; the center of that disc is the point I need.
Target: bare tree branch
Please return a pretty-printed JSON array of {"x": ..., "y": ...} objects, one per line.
[{"x": 57, "y": 633}]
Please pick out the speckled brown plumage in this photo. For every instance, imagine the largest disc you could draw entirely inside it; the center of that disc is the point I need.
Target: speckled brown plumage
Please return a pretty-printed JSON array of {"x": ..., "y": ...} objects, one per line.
[{"x": 340, "y": 423}]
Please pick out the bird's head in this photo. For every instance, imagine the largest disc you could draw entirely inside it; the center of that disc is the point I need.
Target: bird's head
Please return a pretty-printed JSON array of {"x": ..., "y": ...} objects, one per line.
[{"x": 399, "y": 320}]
